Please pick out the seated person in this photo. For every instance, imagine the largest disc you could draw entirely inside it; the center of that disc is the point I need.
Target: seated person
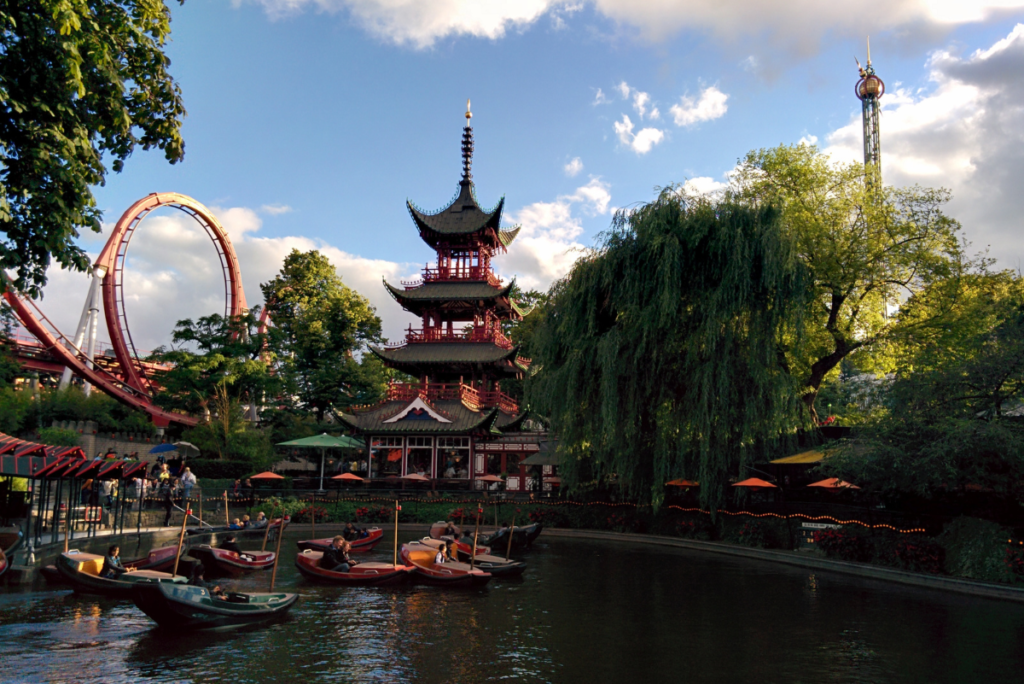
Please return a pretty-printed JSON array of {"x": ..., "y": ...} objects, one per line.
[
  {"x": 449, "y": 531},
  {"x": 236, "y": 524},
  {"x": 230, "y": 544},
  {"x": 197, "y": 579},
  {"x": 350, "y": 533},
  {"x": 112, "y": 566},
  {"x": 449, "y": 472},
  {"x": 444, "y": 553},
  {"x": 467, "y": 538},
  {"x": 246, "y": 523},
  {"x": 260, "y": 521},
  {"x": 335, "y": 557}
]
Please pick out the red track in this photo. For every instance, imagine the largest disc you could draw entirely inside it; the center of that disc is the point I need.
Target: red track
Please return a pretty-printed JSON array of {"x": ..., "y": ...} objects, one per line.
[{"x": 133, "y": 387}]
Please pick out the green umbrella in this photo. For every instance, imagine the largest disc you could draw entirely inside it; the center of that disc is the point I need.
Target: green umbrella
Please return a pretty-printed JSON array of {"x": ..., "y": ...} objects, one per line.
[{"x": 325, "y": 441}]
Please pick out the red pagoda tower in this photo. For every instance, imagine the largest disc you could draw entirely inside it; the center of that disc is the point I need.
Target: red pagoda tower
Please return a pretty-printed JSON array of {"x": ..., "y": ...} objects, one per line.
[{"x": 439, "y": 425}]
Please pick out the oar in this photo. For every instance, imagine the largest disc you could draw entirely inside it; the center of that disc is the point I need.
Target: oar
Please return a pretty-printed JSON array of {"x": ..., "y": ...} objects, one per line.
[
  {"x": 398, "y": 507},
  {"x": 181, "y": 538},
  {"x": 277, "y": 553},
  {"x": 476, "y": 533},
  {"x": 312, "y": 515},
  {"x": 511, "y": 532},
  {"x": 227, "y": 522},
  {"x": 266, "y": 530},
  {"x": 67, "y": 522}
]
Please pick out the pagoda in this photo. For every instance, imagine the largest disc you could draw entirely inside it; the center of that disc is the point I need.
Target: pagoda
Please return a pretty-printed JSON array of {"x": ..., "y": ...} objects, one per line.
[{"x": 440, "y": 424}]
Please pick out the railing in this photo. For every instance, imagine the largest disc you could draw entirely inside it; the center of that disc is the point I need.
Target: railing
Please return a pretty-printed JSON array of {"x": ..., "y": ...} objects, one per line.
[
  {"x": 470, "y": 396},
  {"x": 448, "y": 273},
  {"x": 475, "y": 334}
]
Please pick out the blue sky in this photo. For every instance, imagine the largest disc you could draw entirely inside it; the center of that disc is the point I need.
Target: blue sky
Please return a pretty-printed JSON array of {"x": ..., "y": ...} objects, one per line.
[{"x": 311, "y": 121}]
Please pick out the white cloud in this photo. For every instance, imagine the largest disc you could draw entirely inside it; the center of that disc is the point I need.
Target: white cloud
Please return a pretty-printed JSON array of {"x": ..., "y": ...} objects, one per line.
[
  {"x": 703, "y": 185},
  {"x": 573, "y": 167},
  {"x": 548, "y": 243},
  {"x": 623, "y": 89},
  {"x": 795, "y": 27},
  {"x": 808, "y": 140},
  {"x": 641, "y": 142},
  {"x": 275, "y": 209},
  {"x": 600, "y": 98},
  {"x": 709, "y": 106}
]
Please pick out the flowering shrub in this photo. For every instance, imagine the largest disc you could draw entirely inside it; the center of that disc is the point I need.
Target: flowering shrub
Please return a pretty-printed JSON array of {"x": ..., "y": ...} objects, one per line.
[
  {"x": 620, "y": 522},
  {"x": 379, "y": 514},
  {"x": 843, "y": 544},
  {"x": 758, "y": 533},
  {"x": 694, "y": 529},
  {"x": 915, "y": 553},
  {"x": 309, "y": 513},
  {"x": 459, "y": 513},
  {"x": 1014, "y": 562},
  {"x": 549, "y": 517}
]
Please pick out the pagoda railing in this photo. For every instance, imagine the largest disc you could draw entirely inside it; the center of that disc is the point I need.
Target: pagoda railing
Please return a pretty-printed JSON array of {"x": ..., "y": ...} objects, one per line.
[
  {"x": 475, "y": 334},
  {"x": 470, "y": 396},
  {"x": 448, "y": 274}
]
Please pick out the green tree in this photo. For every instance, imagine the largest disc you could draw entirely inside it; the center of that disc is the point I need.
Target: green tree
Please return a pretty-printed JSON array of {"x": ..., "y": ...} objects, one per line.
[
  {"x": 82, "y": 82},
  {"x": 216, "y": 352},
  {"x": 659, "y": 354},
  {"x": 866, "y": 250},
  {"x": 953, "y": 404},
  {"x": 523, "y": 333},
  {"x": 320, "y": 331},
  {"x": 229, "y": 436}
]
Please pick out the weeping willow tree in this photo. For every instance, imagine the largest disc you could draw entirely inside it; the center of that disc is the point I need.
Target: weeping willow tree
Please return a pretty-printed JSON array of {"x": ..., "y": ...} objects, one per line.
[{"x": 663, "y": 351}]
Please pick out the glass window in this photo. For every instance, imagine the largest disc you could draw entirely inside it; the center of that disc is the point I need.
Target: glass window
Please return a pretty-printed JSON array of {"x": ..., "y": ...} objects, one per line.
[
  {"x": 418, "y": 456},
  {"x": 386, "y": 456},
  {"x": 453, "y": 457}
]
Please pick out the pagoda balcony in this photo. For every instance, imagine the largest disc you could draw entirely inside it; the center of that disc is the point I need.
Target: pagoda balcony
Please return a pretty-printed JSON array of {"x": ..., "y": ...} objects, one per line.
[
  {"x": 474, "y": 398},
  {"x": 474, "y": 334},
  {"x": 450, "y": 274}
]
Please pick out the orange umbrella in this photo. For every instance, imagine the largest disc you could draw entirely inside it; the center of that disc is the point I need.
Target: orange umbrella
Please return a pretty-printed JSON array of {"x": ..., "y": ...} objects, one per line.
[
  {"x": 553, "y": 480},
  {"x": 489, "y": 478},
  {"x": 755, "y": 484},
  {"x": 266, "y": 475},
  {"x": 416, "y": 477},
  {"x": 682, "y": 483},
  {"x": 833, "y": 483},
  {"x": 348, "y": 476}
]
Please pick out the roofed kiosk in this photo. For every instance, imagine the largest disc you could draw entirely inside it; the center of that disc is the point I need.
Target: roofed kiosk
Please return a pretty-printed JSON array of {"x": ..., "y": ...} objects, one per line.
[{"x": 439, "y": 424}]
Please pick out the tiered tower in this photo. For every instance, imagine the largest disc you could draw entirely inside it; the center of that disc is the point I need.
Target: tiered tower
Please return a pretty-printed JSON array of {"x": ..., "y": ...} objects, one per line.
[
  {"x": 459, "y": 356},
  {"x": 869, "y": 90}
]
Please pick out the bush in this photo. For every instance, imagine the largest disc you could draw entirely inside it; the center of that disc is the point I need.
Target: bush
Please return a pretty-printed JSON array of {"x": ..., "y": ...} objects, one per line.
[
  {"x": 915, "y": 553},
  {"x": 623, "y": 522},
  {"x": 759, "y": 532},
  {"x": 374, "y": 514},
  {"x": 698, "y": 528},
  {"x": 311, "y": 513},
  {"x": 549, "y": 517},
  {"x": 844, "y": 544},
  {"x": 58, "y": 437},
  {"x": 976, "y": 549}
]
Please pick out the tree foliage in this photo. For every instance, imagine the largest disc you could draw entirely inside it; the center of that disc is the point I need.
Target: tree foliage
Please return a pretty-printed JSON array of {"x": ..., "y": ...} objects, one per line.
[
  {"x": 81, "y": 82},
  {"x": 229, "y": 436},
  {"x": 215, "y": 353},
  {"x": 659, "y": 352},
  {"x": 321, "y": 329},
  {"x": 865, "y": 248}
]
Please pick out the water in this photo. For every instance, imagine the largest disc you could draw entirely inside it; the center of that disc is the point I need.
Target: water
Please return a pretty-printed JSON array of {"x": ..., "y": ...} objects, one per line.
[{"x": 585, "y": 611}]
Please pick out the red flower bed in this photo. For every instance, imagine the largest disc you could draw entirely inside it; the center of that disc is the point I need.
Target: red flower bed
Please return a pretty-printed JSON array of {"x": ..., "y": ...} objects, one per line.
[
  {"x": 919, "y": 554},
  {"x": 309, "y": 513},
  {"x": 843, "y": 544},
  {"x": 367, "y": 514}
]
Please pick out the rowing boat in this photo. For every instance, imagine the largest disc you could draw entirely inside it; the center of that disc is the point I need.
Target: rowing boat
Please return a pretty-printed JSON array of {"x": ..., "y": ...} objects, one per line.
[
  {"x": 82, "y": 571},
  {"x": 374, "y": 537},
  {"x": 421, "y": 557},
  {"x": 308, "y": 563},
  {"x": 160, "y": 560},
  {"x": 221, "y": 562},
  {"x": 497, "y": 566},
  {"x": 185, "y": 606}
]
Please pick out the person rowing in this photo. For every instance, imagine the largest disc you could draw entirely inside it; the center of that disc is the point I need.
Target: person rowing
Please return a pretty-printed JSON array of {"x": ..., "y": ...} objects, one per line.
[
  {"x": 230, "y": 544},
  {"x": 198, "y": 579}
]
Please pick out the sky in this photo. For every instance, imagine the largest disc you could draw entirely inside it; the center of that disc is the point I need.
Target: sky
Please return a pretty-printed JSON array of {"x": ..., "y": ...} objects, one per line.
[{"x": 311, "y": 122}]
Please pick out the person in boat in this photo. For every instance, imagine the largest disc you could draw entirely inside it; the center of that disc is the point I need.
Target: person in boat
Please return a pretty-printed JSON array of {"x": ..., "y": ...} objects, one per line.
[
  {"x": 261, "y": 520},
  {"x": 112, "y": 565},
  {"x": 198, "y": 579},
  {"x": 350, "y": 533},
  {"x": 335, "y": 557},
  {"x": 467, "y": 538},
  {"x": 450, "y": 531},
  {"x": 246, "y": 522},
  {"x": 444, "y": 553},
  {"x": 236, "y": 524},
  {"x": 230, "y": 544}
]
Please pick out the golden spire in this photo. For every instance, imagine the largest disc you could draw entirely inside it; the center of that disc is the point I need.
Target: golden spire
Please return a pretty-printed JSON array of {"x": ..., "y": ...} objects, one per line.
[{"x": 469, "y": 115}]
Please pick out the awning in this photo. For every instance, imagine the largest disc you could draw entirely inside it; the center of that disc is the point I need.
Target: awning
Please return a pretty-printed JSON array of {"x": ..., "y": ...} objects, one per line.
[{"x": 812, "y": 456}]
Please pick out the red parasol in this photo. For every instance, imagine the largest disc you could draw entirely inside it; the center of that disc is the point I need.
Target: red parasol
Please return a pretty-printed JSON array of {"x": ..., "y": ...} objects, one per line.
[
  {"x": 833, "y": 483},
  {"x": 489, "y": 478},
  {"x": 348, "y": 476},
  {"x": 416, "y": 477},
  {"x": 682, "y": 483},
  {"x": 755, "y": 484},
  {"x": 266, "y": 475}
]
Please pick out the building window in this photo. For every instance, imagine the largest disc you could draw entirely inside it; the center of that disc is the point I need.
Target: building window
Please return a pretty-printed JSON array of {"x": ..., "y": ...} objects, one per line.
[
  {"x": 453, "y": 457},
  {"x": 386, "y": 456},
  {"x": 418, "y": 456}
]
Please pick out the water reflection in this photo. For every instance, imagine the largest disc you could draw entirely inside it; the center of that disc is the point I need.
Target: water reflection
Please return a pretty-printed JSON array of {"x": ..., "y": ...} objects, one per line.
[{"x": 584, "y": 611}]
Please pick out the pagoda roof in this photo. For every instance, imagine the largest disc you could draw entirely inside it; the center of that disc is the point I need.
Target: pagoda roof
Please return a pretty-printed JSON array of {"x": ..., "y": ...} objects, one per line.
[
  {"x": 463, "y": 218},
  {"x": 439, "y": 291},
  {"x": 452, "y": 355},
  {"x": 462, "y": 419}
]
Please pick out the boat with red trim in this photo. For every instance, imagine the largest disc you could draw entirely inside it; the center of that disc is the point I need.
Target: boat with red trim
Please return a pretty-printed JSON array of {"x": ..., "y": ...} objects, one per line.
[
  {"x": 82, "y": 571},
  {"x": 160, "y": 560},
  {"x": 421, "y": 557},
  {"x": 497, "y": 566},
  {"x": 362, "y": 545},
  {"x": 360, "y": 574},
  {"x": 222, "y": 562}
]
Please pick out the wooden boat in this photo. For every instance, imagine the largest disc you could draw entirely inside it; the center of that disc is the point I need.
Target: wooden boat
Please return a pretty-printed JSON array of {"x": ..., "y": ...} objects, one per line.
[
  {"x": 522, "y": 538},
  {"x": 206, "y": 529},
  {"x": 185, "y": 606},
  {"x": 221, "y": 562},
  {"x": 437, "y": 530},
  {"x": 4, "y": 563},
  {"x": 82, "y": 571},
  {"x": 421, "y": 557},
  {"x": 160, "y": 560},
  {"x": 375, "y": 535},
  {"x": 497, "y": 566},
  {"x": 11, "y": 539},
  {"x": 308, "y": 563}
]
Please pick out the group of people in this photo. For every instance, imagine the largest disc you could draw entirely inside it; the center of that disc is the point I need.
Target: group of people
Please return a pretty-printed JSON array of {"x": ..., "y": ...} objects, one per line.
[{"x": 244, "y": 523}]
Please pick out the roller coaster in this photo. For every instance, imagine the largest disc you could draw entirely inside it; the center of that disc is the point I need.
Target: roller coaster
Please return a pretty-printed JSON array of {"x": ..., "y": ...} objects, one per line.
[{"x": 126, "y": 378}]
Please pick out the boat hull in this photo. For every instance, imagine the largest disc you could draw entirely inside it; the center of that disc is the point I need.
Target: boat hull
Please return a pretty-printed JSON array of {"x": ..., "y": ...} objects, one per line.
[
  {"x": 80, "y": 570},
  {"x": 522, "y": 537},
  {"x": 453, "y": 574},
  {"x": 224, "y": 563},
  {"x": 363, "y": 574},
  {"x": 184, "y": 606},
  {"x": 376, "y": 535}
]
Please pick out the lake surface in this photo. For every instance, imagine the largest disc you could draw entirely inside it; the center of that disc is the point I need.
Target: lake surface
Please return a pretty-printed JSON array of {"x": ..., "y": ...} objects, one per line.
[{"x": 585, "y": 611}]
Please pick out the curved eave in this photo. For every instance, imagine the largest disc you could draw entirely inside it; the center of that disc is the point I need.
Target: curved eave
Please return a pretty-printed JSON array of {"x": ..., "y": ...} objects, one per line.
[
  {"x": 483, "y": 427},
  {"x": 432, "y": 230},
  {"x": 507, "y": 237},
  {"x": 404, "y": 296},
  {"x": 517, "y": 422},
  {"x": 523, "y": 311}
]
